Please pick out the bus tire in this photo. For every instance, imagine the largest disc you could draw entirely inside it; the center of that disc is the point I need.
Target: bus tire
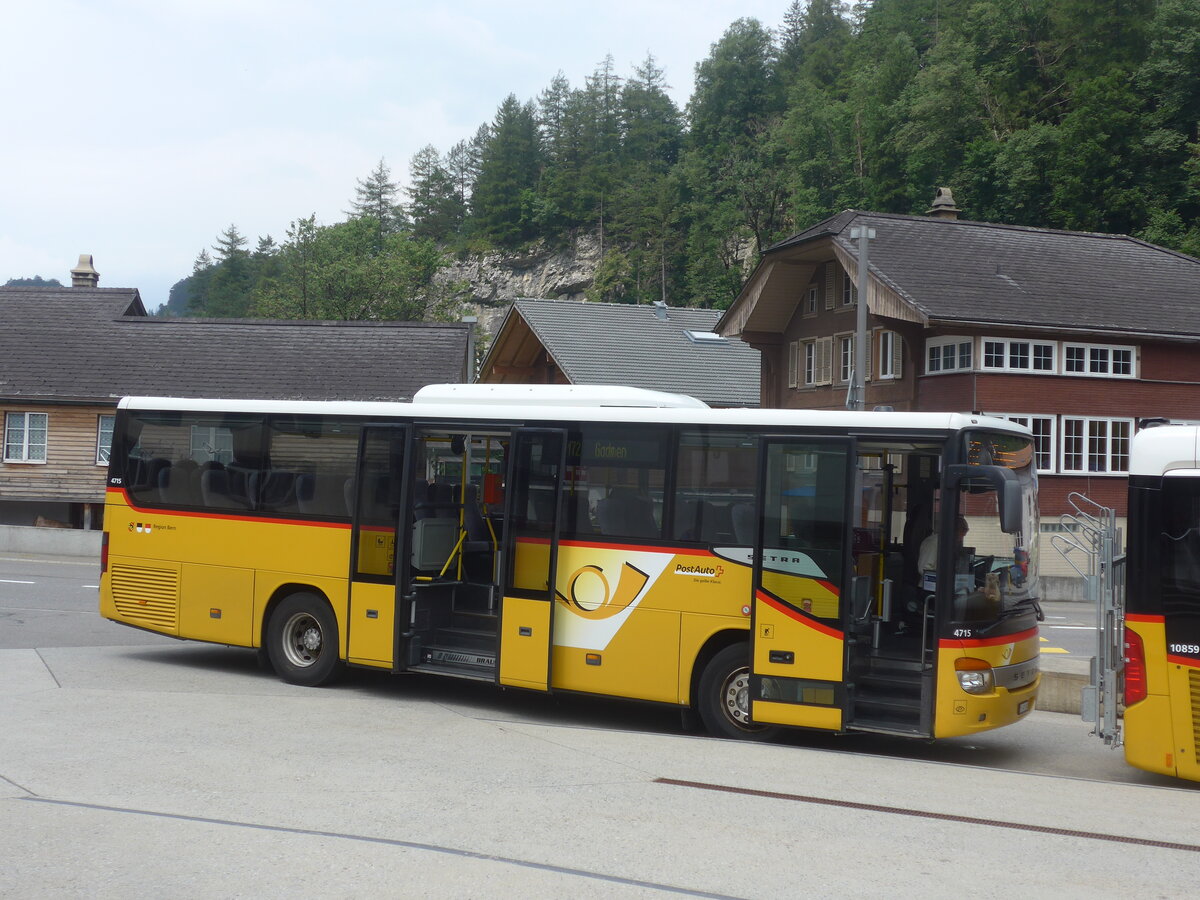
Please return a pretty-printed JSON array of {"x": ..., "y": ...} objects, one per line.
[
  {"x": 723, "y": 697},
  {"x": 302, "y": 641}
]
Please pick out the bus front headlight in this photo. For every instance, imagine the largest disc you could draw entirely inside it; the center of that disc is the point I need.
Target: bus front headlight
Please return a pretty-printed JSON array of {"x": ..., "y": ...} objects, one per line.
[{"x": 975, "y": 676}]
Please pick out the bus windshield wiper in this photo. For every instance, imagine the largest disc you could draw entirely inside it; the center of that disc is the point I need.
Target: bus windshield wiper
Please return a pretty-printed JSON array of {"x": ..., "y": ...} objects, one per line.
[{"x": 1019, "y": 609}]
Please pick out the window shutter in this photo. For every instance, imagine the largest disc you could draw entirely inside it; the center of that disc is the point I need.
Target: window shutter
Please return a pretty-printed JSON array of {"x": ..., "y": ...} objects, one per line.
[
  {"x": 824, "y": 366},
  {"x": 829, "y": 285},
  {"x": 897, "y": 356},
  {"x": 792, "y": 353}
]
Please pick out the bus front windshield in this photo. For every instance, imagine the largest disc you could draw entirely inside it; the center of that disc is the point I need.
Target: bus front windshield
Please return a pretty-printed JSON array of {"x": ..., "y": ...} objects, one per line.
[{"x": 995, "y": 570}]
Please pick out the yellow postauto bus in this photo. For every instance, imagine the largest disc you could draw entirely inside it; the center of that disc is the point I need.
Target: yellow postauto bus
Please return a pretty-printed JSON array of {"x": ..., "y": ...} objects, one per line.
[
  {"x": 1161, "y": 671},
  {"x": 846, "y": 571}
]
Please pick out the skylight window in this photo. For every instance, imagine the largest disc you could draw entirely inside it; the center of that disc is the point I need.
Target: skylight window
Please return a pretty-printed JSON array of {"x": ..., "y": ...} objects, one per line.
[{"x": 705, "y": 337}]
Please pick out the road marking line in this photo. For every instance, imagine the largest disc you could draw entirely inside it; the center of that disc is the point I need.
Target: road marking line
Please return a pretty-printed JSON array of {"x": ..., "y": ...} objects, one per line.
[
  {"x": 1074, "y": 627},
  {"x": 1050, "y": 649},
  {"x": 10, "y": 581},
  {"x": 96, "y": 586}
]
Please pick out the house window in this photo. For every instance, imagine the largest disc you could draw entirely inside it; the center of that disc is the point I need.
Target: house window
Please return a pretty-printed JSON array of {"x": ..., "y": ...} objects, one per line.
[
  {"x": 1093, "y": 445},
  {"x": 950, "y": 354},
  {"x": 889, "y": 354},
  {"x": 849, "y": 291},
  {"x": 845, "y": 357},
  {"x": 25, "y": 437},
  {"x": 817, "y": 361},
  {"x": 1043, "y": 436},
  {"x": 1018, "y": 355},
  {"x": 812, "y": 299},
  {"x": 1098, "y": 359},
  {"x": 104, "y": 433}
]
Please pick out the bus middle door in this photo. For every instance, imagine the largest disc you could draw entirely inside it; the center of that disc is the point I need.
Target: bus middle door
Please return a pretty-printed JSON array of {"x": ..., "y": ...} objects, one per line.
[
  {"x": 533, "y": 499},
  {"x": 800, "y": 566},
  {"x": 382, "y": 499}
]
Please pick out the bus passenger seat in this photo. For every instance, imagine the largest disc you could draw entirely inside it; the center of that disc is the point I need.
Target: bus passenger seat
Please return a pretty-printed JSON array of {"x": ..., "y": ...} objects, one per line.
[
  {"x": 625, "y": 512},
  {"x": 742, "y": 516},
  {"x": 215, "y": 491}
]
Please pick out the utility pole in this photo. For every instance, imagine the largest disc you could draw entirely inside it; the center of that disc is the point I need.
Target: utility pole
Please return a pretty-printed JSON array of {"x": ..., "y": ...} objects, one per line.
[{"x": 857, "y": 398}]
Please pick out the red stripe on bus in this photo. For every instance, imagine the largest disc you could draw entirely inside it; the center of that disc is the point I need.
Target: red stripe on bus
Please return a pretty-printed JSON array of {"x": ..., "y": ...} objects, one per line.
[
  {"x": 956, "y": 643},
  {"x": 1183, "y": 661},
  {"x": 1145, "y": 617},
  {"x": 800, "y": 617},
  {"x": 154, "y": 511}
]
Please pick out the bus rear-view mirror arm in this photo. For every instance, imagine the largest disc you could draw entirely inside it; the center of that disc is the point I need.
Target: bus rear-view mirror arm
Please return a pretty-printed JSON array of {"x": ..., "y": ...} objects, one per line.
[{"x": 1004, "y": 480}]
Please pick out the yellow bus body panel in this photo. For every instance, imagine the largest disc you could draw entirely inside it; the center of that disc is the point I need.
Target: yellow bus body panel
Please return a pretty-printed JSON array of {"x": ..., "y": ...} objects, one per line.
[
  {"x": 168, "y": 571},
  {"x": 959, "y": 713},
  {"x": 523, "y": 656},
  {"x": 800, "y": 715},
  {"x": 629, "y": 621},
  {"x": 372, "y": 625},
  {"x": 1162, "y": 733}
]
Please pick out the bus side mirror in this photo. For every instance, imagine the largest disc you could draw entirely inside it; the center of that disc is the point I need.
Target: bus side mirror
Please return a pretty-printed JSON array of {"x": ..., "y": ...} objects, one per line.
[{"x": 1003, "y": 480}]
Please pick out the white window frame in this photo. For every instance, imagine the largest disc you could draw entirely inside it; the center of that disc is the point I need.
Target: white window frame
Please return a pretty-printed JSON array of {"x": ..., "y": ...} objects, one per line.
[
  {"x": 104, "y": 435},
  {"x": 793, "y": 356},
  {"x": 1009, "y": 355},
  {"x": 24, "y": 447},
  {"x": 940, "y": 342},
  {"x": 1110, "y": 351},
  {"x": 1045, "y": 449},
  {"x": 849, "y": 289},
  {"x": 1095, "y": 439},
  {"x": 811, "y": 309},
  {"x": 845, "y": 357},
  {"x": 891, "y": 356}
]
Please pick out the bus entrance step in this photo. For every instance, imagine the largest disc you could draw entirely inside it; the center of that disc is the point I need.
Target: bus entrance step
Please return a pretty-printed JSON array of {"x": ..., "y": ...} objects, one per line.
[
  {"x": 470, "y": 640},
  {"x": 459, "y": 658},
  {"x": 479, "y": 621},
  {"x": 888, "y": 684}
]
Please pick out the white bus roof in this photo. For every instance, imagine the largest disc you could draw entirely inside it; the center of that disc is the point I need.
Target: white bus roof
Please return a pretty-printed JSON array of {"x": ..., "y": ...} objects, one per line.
[
  {"x": 1165, "y": 450},
  {"x": 555, "y": 395},
  {"x": 538, "y": 403}
]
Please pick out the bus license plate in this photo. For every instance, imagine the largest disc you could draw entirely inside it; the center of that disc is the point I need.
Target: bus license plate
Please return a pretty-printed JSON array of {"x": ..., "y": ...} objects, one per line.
[{"x": 1023, "y": 707}]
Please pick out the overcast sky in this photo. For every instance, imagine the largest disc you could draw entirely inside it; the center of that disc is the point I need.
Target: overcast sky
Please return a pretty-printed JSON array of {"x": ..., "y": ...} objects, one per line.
[{"x": 137, "y": 130}]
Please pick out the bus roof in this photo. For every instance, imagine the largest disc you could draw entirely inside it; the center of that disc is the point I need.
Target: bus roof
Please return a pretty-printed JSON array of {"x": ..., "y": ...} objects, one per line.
[
  {"x": 1164, "y": 449},
  {"x": 537, "y": 404}
]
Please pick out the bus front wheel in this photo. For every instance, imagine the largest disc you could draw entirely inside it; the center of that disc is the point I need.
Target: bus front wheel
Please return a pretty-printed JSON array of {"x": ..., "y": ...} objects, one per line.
[
  {"x": 723, "y": 699},
  {"x": 302, "y": 641}
]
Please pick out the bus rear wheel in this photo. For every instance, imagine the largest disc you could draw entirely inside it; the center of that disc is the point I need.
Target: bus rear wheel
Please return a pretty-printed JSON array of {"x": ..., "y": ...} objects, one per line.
[
  {"x": 723, "y": 699},
  {"x": 302, "y": 641}
]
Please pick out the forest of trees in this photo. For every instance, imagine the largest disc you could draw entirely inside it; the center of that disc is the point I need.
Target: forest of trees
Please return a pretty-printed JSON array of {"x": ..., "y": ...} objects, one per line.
[{"x": 1072, "y": 114}]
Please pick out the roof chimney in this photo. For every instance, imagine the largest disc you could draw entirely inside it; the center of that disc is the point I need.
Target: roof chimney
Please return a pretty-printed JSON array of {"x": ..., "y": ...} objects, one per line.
[
  {"x": 660, "y": 309},
  {"x": 85, "y": 274},
  {"x": 943, "y": 205}
]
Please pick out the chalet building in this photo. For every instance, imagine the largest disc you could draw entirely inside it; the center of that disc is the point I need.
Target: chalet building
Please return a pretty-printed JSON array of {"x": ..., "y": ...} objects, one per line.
[
  {"x": 1078, "y": 336},
  {"x": 67, "y": 355},
  {"x": 648, "y": 346}
]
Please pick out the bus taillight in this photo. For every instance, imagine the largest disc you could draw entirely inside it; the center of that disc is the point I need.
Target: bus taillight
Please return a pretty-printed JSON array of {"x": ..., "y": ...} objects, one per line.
[
  {"x": 103, "y": 552},
  {"x": 1135, "y": 668}
]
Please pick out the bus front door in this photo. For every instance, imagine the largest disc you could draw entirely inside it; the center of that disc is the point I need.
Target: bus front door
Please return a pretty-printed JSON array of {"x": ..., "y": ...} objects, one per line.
[
  {"x": 533, "y": 499},
  {"x": 380, "y": 495},
  {"x": 800, "y": 576}
]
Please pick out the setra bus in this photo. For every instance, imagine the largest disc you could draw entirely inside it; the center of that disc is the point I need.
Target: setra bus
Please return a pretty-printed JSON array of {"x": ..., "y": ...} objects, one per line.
[
  {"x": 1161, "y": 666},
  {"x": 759, "y": 567}
]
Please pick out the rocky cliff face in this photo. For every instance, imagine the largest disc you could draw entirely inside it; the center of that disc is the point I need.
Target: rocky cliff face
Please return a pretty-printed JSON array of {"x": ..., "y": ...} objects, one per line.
[{"x": 539, "y": 272}]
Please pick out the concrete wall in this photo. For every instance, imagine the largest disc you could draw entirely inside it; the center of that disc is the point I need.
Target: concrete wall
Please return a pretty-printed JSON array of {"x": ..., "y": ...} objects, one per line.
[{"x": 52, "y": 541}]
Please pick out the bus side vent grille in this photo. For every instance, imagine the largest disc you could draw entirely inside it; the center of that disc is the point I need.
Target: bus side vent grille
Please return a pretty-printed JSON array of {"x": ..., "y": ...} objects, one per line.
[
  {"x": 146, "y": 596},
  {"x": 1194, "y": 686}
]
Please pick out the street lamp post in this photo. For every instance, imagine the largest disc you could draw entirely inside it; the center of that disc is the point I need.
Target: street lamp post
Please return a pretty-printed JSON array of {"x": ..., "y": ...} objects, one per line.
[{"x": 857, "y": 398}]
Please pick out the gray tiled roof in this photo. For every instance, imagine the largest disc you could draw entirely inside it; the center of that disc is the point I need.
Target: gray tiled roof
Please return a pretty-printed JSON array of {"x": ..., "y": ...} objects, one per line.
[
  {"x": 96, "y": 344},
  {"x": 620, "y": 343},
  {"x": 982, "y": 272}
]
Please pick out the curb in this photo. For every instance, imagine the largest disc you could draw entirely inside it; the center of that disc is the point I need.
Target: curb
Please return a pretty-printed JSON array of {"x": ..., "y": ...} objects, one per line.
[{"x": 1063, "y": 680}]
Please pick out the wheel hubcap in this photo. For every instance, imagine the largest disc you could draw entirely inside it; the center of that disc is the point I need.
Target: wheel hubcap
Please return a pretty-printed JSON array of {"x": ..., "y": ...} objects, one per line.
[
  {"x": 302, "y": 640},
  {"x": 735, "y": 699}
]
